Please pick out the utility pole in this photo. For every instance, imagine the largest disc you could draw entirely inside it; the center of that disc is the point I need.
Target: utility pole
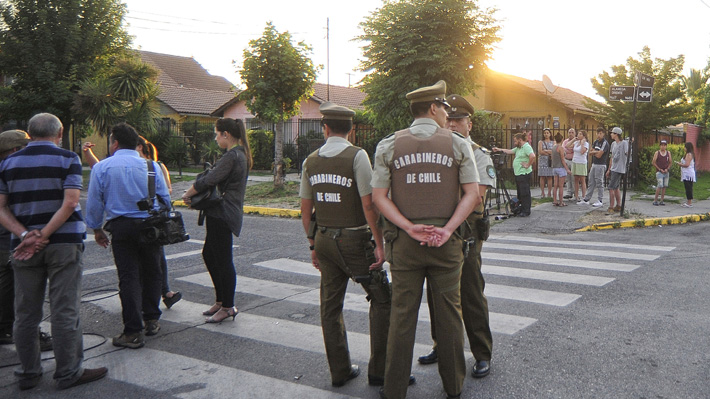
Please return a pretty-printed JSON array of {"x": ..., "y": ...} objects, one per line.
[{"x": 327, "y": 56}]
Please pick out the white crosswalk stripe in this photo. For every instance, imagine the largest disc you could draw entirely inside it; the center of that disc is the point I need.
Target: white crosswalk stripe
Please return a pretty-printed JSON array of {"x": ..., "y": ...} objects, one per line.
[{"x": 526, "y": 274}]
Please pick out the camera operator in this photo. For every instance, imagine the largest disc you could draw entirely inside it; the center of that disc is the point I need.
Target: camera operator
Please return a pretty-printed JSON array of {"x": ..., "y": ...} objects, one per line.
[
  {"x": 119, "y": 189},
  {"x": 474, "y": 305},
  {"x": 522, "y": 167}
]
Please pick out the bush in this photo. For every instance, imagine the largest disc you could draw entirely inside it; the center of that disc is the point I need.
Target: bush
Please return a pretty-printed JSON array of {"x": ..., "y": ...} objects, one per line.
[
  {"x": 261, "y": 143},
  {"x": 647, "y": 172},
  {"x": 199, "y": 133}
]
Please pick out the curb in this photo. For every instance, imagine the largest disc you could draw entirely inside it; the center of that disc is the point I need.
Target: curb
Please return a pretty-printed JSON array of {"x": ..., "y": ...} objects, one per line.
[
  {"x": 699, "y": 217},
  {"x": 259, "y": 210}
]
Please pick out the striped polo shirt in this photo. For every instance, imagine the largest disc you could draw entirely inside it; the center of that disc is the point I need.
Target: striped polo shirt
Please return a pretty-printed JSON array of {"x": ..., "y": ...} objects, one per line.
[{"x": 34, "y": 180}]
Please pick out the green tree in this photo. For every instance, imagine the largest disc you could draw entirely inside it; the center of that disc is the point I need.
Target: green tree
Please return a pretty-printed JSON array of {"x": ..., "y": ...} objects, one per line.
[
  {"x": 414, "y": 43},
  {"x": 279, "y": 76},
  {"x": 123, "y": 92},
  {"x": 670, "y": 105},
  {"x": 49, "y": 46},
  {"x": 695, "y": 85}
]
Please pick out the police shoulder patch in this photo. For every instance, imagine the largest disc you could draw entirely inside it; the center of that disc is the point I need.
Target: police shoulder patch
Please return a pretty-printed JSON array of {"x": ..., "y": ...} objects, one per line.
[{"x": 490, "y": 170}]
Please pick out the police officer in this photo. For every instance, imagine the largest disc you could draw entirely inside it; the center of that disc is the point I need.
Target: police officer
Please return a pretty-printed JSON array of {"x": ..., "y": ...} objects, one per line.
[
  {"x": 474, "y": 305},
  {"x": 425, "y": 168},
  {"x": 336, "y": 183}
]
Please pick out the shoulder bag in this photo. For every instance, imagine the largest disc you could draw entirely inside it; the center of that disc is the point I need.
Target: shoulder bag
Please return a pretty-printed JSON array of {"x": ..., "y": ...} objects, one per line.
[{"x": 208, "y": 198}]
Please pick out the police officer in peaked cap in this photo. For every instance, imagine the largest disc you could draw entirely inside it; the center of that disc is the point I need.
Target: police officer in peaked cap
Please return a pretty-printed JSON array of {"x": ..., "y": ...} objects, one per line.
[
  {"x": 474, "y": 305},
  {"x": 335, "y": 183},
  {"x": 419, "y": 175}
]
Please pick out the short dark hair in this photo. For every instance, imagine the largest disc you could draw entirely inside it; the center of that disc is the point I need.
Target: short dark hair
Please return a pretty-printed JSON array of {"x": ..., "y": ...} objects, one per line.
[
  {"x": 125, "y": 135},
  {"x": 339, "y": 126},
  {"x": 601, "y": 129},
  {"x": 420, "y": 109}
]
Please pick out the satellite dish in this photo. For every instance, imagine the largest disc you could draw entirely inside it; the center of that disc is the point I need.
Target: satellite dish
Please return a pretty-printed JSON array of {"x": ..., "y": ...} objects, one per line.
[{"x": 548, "y": 84}]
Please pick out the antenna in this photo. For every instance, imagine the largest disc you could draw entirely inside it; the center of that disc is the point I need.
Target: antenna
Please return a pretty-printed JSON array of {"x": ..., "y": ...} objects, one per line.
[{"x": 548, "y": 84}]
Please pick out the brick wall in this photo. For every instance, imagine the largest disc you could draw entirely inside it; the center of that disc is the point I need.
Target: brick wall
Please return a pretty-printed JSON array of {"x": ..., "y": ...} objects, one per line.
[{"x": 702, "y": 155}]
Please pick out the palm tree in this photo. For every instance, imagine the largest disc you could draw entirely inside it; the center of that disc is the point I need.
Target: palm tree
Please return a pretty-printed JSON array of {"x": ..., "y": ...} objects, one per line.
[{"x": 125, "y": 92}]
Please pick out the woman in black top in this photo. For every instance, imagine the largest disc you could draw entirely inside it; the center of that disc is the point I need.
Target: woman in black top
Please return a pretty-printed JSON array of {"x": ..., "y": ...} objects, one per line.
[{"x": 230, "y": 174}]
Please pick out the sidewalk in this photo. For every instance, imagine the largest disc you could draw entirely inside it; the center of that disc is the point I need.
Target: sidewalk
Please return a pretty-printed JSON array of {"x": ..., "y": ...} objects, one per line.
[
  {"x": 544, "y": 218},
  {"x": 639, "y": 211}
]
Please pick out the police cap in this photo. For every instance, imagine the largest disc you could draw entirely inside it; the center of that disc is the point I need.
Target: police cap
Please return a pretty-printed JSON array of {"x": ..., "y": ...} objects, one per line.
[
  {"x": 459, "y": 107},
  {"x": 13, "y": 138},
  {"x": 333, "y": 111},
  {"x": 436, "y": 92}
]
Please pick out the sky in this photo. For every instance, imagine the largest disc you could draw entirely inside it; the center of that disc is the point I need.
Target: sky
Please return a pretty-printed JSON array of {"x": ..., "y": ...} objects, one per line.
[{"x": 569, "y": 41}]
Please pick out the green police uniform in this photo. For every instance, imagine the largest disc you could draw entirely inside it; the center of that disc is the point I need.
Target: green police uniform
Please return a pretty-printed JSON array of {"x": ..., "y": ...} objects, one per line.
[
  {"x": 335, "y": 177},
  {"x": 474, "y": 305},
  {"x": 412, "y": 262}
]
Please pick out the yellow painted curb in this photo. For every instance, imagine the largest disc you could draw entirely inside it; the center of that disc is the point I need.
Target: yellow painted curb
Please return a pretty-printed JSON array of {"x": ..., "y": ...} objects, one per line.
[
  {"x": 260, "y": 210},
  {"x": 647, "y": 222}
]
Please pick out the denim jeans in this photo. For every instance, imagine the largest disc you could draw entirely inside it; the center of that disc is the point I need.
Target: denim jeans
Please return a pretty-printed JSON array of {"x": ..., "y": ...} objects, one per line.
[{"x": 522, "y": 184}]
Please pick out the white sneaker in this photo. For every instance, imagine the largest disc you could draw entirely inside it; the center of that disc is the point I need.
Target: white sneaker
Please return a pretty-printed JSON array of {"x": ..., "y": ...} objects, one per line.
[
  {"x": 686, "y": 205},
  {"x": 597, "y": 204},
  {"x": 583, "y": 202}
]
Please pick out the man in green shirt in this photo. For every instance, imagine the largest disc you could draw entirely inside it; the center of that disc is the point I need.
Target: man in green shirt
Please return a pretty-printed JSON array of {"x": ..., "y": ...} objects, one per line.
[{"x": 522, "y": 167}]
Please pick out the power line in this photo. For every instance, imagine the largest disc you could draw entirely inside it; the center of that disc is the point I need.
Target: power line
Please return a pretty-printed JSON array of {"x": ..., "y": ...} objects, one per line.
[{"x": 176, "y": 17}]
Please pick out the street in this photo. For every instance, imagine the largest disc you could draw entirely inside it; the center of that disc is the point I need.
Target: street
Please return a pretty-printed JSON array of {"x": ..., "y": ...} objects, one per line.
[{"x": 613, "y": 314}]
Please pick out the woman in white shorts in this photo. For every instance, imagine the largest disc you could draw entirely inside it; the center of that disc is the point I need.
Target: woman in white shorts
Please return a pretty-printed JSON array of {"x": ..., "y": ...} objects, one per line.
[{"x": 579, "y": 164}]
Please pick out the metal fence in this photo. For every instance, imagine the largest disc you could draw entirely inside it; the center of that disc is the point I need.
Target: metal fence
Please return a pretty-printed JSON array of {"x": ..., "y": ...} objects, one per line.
[{"x": 303, "y": 136}]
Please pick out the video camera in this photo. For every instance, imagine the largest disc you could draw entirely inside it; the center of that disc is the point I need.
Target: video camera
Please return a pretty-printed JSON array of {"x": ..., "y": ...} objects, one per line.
[{"x": 161, "y": 227}]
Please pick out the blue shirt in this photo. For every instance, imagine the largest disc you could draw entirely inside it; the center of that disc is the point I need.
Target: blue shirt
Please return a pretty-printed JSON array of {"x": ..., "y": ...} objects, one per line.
[
  {"x": 117, "y": 183},
  {"x": 34, "y": 180}
]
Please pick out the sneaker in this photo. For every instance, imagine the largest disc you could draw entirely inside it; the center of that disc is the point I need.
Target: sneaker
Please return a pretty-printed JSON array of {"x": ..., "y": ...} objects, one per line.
[
  {"x": 617, "y": 208},
  {"x": 133, "y": 341},
  {"x": 686, "y": 205},
  {"x": 597, "y": 204},
  {"x": 583, "y": 202},
  {"x": 45, "y": 342},
  {"x": 655, "y": 203},
  {"x": 610, "y": 210},
  {"x": 662, "y": 203},
  {"x": 151, "y": 327},
  {"x": 568, "y": 196}
]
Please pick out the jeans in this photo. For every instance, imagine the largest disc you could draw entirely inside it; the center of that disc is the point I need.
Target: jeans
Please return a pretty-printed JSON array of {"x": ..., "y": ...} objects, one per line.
[
  {"x": 217, "y": 254},
  {"x": 596, "y": 180},
  {"x": 570, "y": 178},
  {"x": 522, "y": 184},
  {"x": 61, "y": 264},
  {"x": 139, "y": 274}
]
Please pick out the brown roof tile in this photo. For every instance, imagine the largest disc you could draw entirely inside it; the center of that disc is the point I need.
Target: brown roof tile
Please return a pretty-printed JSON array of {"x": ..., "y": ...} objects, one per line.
[
  {"x": 186, "y": 86},
  {"x": 350, "y": 97},
  {"x": 567, "y": 97}
]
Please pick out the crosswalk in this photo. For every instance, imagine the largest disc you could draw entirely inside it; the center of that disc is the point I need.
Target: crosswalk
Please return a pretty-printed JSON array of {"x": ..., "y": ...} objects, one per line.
[{"x": 526, "y": 278}]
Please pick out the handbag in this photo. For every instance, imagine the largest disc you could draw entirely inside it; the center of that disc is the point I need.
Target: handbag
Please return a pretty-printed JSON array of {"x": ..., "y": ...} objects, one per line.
[
  {"x": 208, "y": 198},
  {"x": 161, "y": 227}
]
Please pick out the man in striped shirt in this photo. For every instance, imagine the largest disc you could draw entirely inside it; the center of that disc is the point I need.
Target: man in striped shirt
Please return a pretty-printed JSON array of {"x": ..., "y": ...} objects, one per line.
[{"x": 39, "y": 204}]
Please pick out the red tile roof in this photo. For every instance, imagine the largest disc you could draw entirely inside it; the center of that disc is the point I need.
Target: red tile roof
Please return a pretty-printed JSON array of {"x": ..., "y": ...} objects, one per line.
[
  {"x": 186, "y": 86},
  {"x": 350, "y": 97},
  {"x": 567, "y": 97}
]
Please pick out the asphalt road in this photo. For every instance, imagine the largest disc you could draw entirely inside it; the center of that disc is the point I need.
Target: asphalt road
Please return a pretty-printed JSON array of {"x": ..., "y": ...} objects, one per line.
[{"x": 612, "y": 314}]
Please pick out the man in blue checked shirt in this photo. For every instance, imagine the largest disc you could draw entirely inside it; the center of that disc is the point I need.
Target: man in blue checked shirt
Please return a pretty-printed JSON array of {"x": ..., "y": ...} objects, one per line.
[
  {"x": 117, "y": 184},
  {"x": 39, "y": 205}
]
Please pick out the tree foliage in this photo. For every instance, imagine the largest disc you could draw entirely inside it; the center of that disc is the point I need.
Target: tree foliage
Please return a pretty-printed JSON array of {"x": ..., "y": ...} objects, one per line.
[
  {"x": 279, "y": 76},
  {"x": 122, "y": 92},
  {"x": 49, "y": 46},
  {"x": 415, "y": 43},
  {"x": 669, "y": 105}
]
